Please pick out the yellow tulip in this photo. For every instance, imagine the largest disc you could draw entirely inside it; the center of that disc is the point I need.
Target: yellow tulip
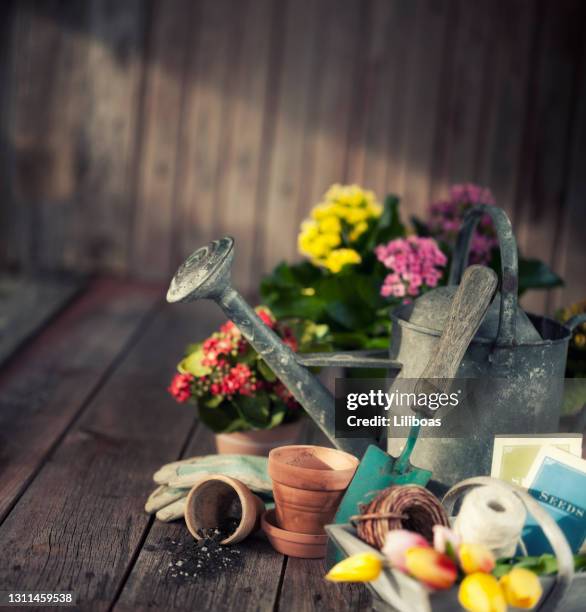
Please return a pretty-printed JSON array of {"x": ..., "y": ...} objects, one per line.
[
  {"x": 481, "y": 592},
  {"x": 475, "y": 558},
  {"x": 363, "y": 567},
  {"x": 522, "y": 588},
  {"x": 434, "y": 569}
]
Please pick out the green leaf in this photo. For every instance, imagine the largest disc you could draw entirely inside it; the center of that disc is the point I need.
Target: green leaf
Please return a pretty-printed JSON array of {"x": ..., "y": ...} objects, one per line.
[
  {"x": 254, "y": 410},
  {"x": 543, "y": 565},
  {"x": 535, "y": 274},
  {"x": 420, "y": 227},
  {"x": 350, "y": 340},
  {"x": 192, "y": 348},
  {"x": 278, "y": 413},
  {"x": 214, "y": 401},
  {"x": 192, "y": 364},
  {"x": 223, "y": 419},
  {"x": 389, "y": 225},
  {"x": 266, "y": 371}
]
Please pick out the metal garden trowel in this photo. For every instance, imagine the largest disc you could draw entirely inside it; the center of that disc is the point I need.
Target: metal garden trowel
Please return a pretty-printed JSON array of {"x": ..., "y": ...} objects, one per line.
[{"x": 379, "y": 470}]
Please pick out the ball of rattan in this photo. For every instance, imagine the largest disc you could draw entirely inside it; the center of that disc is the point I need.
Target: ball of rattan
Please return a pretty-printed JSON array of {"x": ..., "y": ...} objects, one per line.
[{"x": 410, "y": 507}]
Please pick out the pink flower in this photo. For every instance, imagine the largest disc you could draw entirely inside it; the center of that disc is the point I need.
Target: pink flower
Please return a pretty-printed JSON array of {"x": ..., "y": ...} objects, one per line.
[
  {"x": 415, "y": 265},
  {"x": 398, "y": 542},
  {"x": 445, "y": 219},
  {"x": 445, "y": 539}
]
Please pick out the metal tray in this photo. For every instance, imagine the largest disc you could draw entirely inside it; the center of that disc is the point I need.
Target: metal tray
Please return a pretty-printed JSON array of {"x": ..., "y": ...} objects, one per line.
[{"x": 395, "y": 591}]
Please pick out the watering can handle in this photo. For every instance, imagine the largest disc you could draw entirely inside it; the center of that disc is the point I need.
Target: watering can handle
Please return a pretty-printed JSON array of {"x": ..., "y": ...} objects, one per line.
[
  {"x": 509, "y": 265},
  {"x": 469, "y": 306}
]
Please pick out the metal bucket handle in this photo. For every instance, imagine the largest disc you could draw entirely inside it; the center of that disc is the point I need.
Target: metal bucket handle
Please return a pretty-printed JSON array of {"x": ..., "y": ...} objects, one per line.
[
  {"x": 576, "y": 320},
  {"x": 509, "y": 265},
  {"x": 552, "y": 600}
]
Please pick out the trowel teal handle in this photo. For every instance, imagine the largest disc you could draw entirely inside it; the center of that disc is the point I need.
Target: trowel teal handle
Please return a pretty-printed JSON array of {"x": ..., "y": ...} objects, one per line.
[{"x": 402, "y": 463}]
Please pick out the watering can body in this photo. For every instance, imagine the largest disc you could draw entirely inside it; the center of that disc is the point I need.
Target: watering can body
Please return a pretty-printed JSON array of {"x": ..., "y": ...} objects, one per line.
[{"x": 519, "y": 360}]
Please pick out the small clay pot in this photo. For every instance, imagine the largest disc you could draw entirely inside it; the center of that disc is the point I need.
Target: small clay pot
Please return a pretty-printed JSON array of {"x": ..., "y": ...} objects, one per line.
[
  {"x": 259, "y": 442},
  {"x": 303, "y": 545},
  {"x": 215, "y": 499},
  {"x": 316, "y": 468},
  {"x": 305, "y": 511},
  {"x": 308, "y": 485}
]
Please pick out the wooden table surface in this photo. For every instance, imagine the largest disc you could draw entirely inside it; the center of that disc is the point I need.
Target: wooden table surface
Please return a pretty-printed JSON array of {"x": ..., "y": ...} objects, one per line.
[{"x": 85, "y": 420}]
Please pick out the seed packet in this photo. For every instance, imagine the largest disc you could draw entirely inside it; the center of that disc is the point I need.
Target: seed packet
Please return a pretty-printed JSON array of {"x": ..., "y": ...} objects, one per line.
[
  {"x": 557, "y": 480},
  {"x": 513, "y": 456}
]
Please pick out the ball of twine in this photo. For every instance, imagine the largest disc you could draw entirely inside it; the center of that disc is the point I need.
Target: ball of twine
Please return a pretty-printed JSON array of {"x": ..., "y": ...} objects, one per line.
[{"x": 410, "y": 507}]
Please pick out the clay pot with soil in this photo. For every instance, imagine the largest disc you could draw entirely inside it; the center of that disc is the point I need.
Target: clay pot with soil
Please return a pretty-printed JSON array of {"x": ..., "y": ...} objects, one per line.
[
  {"x": 223, "y": 503},
  {"x": 308, "y": 485}
]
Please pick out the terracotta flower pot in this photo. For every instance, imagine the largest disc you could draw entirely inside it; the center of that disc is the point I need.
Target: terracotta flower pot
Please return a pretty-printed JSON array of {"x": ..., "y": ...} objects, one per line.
[
  {"x": 308, "y": 485},
  {"x": 259, "y": 442},
  {"x": 303, "y": 545},
  {"x": 215, "y": 499}
]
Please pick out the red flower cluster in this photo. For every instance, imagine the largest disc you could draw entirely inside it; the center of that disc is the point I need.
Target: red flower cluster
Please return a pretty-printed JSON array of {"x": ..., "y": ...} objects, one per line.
[
  {"x": 238, "y": 379},
  {"x": 231, "y": 367},
  {"x": 180, "y": 387}
]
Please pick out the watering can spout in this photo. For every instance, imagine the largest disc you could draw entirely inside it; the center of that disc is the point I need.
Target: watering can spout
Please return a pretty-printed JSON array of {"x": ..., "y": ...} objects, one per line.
[{"x": 206, "y": 275}]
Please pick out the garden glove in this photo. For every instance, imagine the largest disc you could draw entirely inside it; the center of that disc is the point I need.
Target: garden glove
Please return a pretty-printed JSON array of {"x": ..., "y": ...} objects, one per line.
[{"x": 177, "y": 478}]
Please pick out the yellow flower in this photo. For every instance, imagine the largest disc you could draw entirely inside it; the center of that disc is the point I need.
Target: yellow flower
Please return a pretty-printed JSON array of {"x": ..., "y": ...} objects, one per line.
[
  {"x": 481, "y": 592},
  {"x": 338, "y": 258},
  {"x": 323, "y": 211},
  {"x": 358, "y": 230},
  {"x": 335, "y": 223},
  {"x": 475, "y": 558},
  {"x": 330, "y": 225},
  {"x": 522, "y": 588},
  {"x": 363, "y": 567},
  {"x": 580, "y": 340}
]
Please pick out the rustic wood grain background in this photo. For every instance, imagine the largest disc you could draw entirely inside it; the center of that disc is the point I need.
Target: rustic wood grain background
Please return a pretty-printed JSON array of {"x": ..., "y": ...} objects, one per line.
[{"x": 133, "y": 131}]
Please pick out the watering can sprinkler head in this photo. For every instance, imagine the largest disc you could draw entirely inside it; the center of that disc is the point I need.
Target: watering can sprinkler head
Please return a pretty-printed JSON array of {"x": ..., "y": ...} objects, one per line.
[{"x": 204, "y": 274}]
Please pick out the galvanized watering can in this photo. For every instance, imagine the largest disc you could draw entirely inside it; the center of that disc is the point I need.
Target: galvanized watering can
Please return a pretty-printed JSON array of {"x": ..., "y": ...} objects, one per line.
[
  {"x": 521, "y": 359},
  {"x": 527, "y": 354}
]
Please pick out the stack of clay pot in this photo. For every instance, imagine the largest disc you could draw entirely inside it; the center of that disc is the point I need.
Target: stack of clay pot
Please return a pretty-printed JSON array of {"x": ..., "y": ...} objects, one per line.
[{"x": 308, "y": 485}]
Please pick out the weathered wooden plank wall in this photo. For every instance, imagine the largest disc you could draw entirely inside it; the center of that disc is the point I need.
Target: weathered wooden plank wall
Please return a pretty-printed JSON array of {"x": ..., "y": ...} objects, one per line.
[{"x": 132, "y": 131}]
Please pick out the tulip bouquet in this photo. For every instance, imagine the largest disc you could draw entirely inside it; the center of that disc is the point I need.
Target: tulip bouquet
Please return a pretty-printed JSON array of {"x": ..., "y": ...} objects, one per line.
[{"x": 484, "y": 586}]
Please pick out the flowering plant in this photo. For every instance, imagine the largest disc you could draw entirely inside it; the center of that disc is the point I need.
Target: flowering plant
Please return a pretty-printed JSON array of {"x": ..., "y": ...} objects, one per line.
[
  {"x": 361, "y": 261},
  {"x": 576, "y": 364},
  {"x": 233, "y": 386},
  {"x": 415, "y": 264},
  {"x": 445, "y": 219}
]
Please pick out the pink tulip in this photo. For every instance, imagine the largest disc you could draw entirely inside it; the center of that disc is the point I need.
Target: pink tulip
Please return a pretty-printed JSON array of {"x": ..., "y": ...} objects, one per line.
[
  {"x": 398, "y": 542},
  {"x": 445, "y": 540}
]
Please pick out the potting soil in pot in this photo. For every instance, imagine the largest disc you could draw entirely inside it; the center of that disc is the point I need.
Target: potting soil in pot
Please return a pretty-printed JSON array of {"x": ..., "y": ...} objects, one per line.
[{"x": 194, "y": 559}]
